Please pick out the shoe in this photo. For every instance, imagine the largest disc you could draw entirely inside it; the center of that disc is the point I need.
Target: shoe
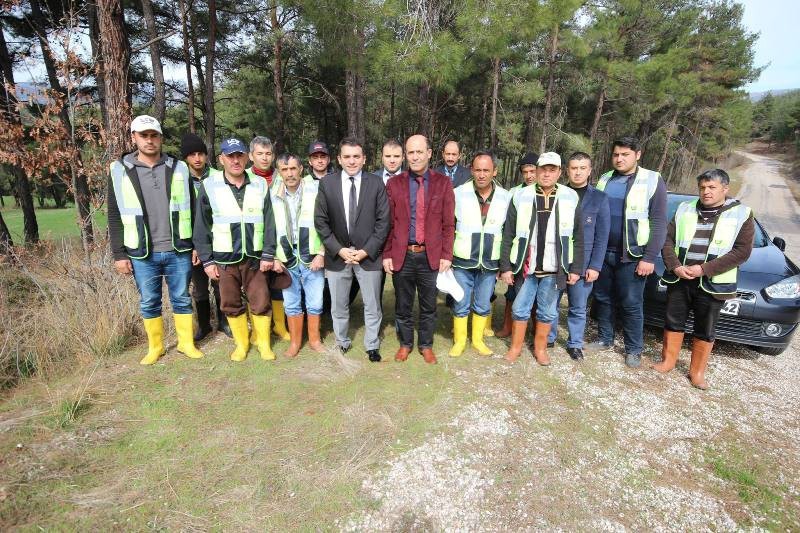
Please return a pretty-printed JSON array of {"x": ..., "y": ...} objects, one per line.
[
  {"x": 203, "y": 320},
  {"x": 670, "y": 351},
  {"x": 459, "y": 335},
  {"x": 154, "y": 327},
  {"x": 343, "y": 349},
  {"x": 428, "y": 355},
  {"x": 478, "y": 331},
  {"x": 314, "y": 339},
  {"x": 295, "y": 334},
  {"x": 505, "y": 331},
  {"x": 261, "y": 324},
  {"x": 596, "y": 346},
  {"x": 701, "y": 351},
  {"x": 241, "y": 337},
  {"x": 222, "y": 323},
  {"x": 540, "y": 343},
  {"x": 183, "y": 329},
  {"x": 633, "y": 360},
  {"x": 279, "y": 320},
  {"x": 374, "y": 356},
  {"x": 402, "y": 354},
  {"x": 551, "y": 344},
  {"x": 518, "y": 330},
  {"x": 576, "y": 354}
]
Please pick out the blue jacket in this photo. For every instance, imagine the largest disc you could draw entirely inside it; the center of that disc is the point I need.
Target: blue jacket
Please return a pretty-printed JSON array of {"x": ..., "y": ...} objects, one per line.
[{"x": 596, "y": 225}]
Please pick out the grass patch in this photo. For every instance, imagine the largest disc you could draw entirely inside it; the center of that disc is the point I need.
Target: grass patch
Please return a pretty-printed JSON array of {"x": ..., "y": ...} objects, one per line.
[{"x": 54, "y": 224}]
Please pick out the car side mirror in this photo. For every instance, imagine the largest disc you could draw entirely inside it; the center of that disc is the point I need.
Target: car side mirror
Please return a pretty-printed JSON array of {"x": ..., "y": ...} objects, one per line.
[{"x": 780, "y": 243}]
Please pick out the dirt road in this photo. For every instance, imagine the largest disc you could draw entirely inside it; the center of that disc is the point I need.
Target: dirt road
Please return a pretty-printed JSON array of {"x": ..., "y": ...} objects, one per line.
[{"x": 765, "y": 190}]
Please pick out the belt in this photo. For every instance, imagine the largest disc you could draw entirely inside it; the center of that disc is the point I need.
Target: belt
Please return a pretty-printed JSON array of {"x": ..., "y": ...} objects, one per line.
[{"x": 416, "y": 248}]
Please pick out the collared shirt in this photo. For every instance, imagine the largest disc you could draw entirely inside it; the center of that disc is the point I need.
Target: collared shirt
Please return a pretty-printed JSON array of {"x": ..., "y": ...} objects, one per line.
[
  {"x": 153, "y": 183},
  {"x": 293, "y": 200},
  {"x": 451, "y": 171},
  {"x": 485, "y": 204},
  {"x": 413, "y": 186},
  {"x": 545, "y": 232},
  {"x": 346, "y": 185},
  {"x": 197, "y": 180},
  {"x": 386, "y": 174}
]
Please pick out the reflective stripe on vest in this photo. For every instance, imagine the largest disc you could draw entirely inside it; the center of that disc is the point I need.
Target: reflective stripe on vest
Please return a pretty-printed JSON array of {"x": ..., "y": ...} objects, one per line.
[
  {"x": 309, "y": 243},
  {"x": 525, "y": 203},
  {"x": 723, "y": 237},
  {"x": 236, "y": 232},
  {"x": 136, "y": 237},
  {"x": 477, "y": 244},
  {"x": 637, "y": 208}
]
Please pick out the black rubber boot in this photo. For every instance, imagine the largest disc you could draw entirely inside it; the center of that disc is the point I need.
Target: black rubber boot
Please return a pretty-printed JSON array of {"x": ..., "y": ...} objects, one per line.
[
  {"x": 203, "y": 320},
  {"x": 222, "y": 323}
]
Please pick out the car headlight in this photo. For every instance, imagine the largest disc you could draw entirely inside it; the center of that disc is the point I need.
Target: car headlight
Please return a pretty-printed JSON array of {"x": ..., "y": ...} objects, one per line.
[{"x": 785, "y": 288}]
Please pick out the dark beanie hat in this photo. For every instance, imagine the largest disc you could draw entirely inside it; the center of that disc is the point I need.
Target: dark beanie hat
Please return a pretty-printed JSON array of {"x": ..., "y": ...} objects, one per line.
[
  {"x": 191, "y": 143},
  {"x": 531, "y": 158}
]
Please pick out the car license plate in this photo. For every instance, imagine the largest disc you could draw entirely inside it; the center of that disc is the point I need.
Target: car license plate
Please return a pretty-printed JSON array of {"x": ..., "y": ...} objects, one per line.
[{"x": 731, "y": 307}]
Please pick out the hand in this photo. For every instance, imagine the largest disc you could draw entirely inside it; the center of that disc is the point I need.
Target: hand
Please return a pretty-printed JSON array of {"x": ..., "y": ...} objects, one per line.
[
  {"x": 347, "y": 255},
  {"x": 123, "y": 266},
  {"x": 591, "y": 275},
  {"x": 318, "y": 263},
  {"x": 507, "y": 278},
  {"x": 388, "y": 266},
  {"x": 195, "y": 258},
  {"x": 682, "y": 272},
  {"x": 644, "y": 268},
  {"x": 359, "y": 255},
  {"x": 696, "y": 271},
  {"x": 444, "y": 265},
  {"x": 265, "y": 266},
  {"x": 572, "y": 279},
  {"x": 212, "y": 272}
]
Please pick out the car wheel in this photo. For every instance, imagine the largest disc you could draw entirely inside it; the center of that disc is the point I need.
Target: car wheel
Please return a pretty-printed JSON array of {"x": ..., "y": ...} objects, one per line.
[{"x": 769, "y": 350}]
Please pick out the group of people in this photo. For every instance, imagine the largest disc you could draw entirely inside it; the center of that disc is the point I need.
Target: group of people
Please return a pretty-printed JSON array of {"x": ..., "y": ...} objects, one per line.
[{"x": 277, "y": 246}]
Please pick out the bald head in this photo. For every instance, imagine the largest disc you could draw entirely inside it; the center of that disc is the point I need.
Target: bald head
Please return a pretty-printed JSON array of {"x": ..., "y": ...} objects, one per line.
[
  {"x": 418, "y": 153},
  {"x": 451, "y": 153}
]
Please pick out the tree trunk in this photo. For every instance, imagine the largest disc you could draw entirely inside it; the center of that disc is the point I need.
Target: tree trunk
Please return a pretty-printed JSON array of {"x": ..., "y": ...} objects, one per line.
[
  {"x": 495, "y": 87},
  {"x": 188, "y": 61},
  {"x": 670, "y": 133},
  {"x": 355, "y": 87},
  {"x": 159, "y": 91},
  {"x": 598, "y": 114},
  {"x": 423, "y": 108},
  {"x": 97, "y": 55},
  {"x": 277, "y": 78},
  {"x": 25, "y": 195},
  {"x": 548, "y": 102},
  {"x": 211, "y": 45},
  {"x": 531, "y": 129},
  {"x": 116, "y": 58},
  {"x": 392, "y": 130},
  {"x": 5, "y": 237}
]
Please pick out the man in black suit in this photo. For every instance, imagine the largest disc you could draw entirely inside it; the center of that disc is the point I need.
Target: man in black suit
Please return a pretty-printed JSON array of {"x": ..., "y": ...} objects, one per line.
[
  {"x": 352, "y": 219},
  {"x": 457, "y": 173}
]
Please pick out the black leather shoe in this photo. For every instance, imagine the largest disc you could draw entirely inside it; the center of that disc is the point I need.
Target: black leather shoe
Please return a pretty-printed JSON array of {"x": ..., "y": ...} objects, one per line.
[
  {"x": 576, "y": 354},
  {"x": 374, "y": 356},
  {"x": 344, "y": 349},
  {"x": 551, "y": 344}
]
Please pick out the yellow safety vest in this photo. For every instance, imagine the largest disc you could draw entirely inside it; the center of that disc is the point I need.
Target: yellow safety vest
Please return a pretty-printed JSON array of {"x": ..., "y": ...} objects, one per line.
[
  {"x": 236, "y": 232},
  {"x": 309, "y": 243},
  {"x": 636, "y": 231},
  {"x": 566, "y": 204},
  {"x": 723, "y": 237},
  {"x": 136, "y": 237},
  {"x": 477, "y": 244}
]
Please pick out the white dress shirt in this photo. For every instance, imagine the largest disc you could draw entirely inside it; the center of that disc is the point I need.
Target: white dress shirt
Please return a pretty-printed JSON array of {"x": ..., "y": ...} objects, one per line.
[{"x": 346, "y": 193}]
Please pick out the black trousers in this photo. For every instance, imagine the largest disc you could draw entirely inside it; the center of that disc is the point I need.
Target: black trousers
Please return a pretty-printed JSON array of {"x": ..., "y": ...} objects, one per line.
[
  {"x": 686, "y": 295},
  {"x": 415, "y": 279},
  {"x": 200, "y": 280}
]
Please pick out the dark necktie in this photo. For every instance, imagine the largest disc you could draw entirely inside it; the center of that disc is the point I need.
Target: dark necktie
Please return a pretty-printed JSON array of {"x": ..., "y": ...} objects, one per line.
[
  {"x": 420, "y": 216},
  {"x": 351, "y": 210}
]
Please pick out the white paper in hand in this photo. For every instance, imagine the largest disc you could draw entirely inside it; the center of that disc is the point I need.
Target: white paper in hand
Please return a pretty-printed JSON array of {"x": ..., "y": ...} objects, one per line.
[{"x": 446, "y": 282}]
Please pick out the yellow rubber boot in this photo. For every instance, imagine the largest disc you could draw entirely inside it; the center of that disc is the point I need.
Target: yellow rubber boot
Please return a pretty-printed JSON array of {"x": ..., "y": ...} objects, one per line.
[
  {"x": 261, "y": 326},
  {"x": 478, "y": 328},
  {"x": 154, "y": 327},
  {"x": 488, "y": 331},
  {"x": 185, "y": 331},
  {"x": 459, "y": 335},
  {"x": 279, "y": 320},
  {"x": 241, "y": 336},
  {"x": 253, "y": 331}
]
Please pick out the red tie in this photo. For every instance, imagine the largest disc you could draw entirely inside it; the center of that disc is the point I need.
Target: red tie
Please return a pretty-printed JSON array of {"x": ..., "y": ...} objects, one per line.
[{"x": 420, "y": 218}]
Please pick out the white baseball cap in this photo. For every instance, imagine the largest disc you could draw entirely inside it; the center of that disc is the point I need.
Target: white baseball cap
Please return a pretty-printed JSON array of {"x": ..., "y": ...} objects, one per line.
[
  {"x": 145, "y": 123},
  {"x": 549, "y": 158}
]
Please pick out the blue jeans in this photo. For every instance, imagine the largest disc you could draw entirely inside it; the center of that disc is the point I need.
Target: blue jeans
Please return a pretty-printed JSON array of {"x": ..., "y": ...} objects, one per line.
[
  {"x": 541, "y": 290},
  {"x": 304, "y": 280},
  {"x": 176, "y": 269},
  {"x": 576, "y": 315},
  {"x": 478, "y": 288},
  {"x": 620, "y": 287}
]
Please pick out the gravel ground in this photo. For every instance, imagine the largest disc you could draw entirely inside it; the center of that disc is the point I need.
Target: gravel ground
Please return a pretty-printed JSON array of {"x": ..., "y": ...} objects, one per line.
[{"x": 597, "y": 446}]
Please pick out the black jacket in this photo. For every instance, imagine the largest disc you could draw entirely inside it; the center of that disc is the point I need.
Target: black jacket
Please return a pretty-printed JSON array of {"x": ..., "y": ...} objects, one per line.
[{"x": 462, "y": 176}]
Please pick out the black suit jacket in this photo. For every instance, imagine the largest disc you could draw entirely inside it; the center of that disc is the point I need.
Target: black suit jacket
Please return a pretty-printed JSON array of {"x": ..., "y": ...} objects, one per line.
[
  {"x": 372, "y": 220},
  {"x": 462, "y": 176}
]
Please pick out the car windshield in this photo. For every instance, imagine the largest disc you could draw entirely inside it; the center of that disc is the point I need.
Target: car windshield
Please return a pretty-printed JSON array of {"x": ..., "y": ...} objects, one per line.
[{"x": 761, "y": 239}]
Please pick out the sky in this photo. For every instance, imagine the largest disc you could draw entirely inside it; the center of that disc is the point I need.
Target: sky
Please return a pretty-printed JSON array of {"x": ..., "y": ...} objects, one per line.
[{"x": 778, "y": 23}]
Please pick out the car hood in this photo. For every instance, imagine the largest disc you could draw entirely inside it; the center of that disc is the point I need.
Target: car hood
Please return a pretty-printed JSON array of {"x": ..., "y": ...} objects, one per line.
[{"x": 771, "y": 261}]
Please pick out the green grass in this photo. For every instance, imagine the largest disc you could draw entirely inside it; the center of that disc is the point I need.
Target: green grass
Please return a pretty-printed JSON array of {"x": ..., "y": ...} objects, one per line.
[{"x": 54, "y": 224}]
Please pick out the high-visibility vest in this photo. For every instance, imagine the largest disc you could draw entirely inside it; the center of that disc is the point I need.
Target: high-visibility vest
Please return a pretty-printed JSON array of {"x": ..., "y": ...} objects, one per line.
[
  {"x": 136, "y": 236},
  {"x": 723, "y": 237},
  {"x": 477, "y": 243},
  {"x": 236, "y": 233},
  {"x": 308, "y": 242},
  {"x": 636, "y": 232},
  {"x": 566, "y": 203}
]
